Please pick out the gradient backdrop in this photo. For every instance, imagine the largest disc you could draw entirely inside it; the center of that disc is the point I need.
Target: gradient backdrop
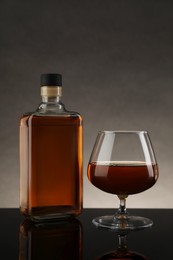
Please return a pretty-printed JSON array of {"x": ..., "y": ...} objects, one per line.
[{"x": 116, "y": 58}]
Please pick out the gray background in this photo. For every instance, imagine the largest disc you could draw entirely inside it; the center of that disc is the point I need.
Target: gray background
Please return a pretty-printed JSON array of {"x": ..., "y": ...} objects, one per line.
[{"x": 116, "y": 58}]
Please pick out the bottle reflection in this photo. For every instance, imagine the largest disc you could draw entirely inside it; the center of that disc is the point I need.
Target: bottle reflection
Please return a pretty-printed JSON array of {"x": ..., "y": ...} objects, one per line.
[
  {"x": 122, "y": 251},
  {"x": 61, "y": 240}
]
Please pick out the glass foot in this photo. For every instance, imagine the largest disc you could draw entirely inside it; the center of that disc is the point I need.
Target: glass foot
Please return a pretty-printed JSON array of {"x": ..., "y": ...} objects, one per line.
[{"x": 122, "y": 222}]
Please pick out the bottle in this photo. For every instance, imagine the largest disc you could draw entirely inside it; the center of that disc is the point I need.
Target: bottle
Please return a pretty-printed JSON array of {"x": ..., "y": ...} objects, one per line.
[{"x": 51, "y": 157}]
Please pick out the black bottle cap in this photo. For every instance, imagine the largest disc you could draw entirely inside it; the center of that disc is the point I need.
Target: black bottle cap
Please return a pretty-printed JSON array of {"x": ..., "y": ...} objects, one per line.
[{"x": 51, "y": 79}]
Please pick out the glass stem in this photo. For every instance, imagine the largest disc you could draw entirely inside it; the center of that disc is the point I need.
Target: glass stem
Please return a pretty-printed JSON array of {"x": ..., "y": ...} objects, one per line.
[{"x": 122, "y": 207}]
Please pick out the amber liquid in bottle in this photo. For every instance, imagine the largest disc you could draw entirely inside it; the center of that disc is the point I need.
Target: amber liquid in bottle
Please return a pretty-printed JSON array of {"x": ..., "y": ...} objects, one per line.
[{"x": 50, "y": 163}]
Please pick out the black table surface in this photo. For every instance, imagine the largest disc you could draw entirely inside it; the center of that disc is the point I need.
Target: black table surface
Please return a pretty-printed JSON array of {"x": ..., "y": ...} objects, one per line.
[{"x": 81, "y": 239}]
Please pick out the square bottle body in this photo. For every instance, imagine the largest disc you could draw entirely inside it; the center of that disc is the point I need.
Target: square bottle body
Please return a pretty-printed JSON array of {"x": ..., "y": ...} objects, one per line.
[{"x": 50, "y": 166}]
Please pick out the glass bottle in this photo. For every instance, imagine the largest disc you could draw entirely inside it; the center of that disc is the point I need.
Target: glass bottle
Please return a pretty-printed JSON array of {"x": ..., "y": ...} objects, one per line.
[{"x": 51, "y": 157}]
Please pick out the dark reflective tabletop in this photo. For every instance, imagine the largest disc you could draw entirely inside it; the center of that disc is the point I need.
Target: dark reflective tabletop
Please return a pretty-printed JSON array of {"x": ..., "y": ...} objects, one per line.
[{"x": 79, "y": 239}]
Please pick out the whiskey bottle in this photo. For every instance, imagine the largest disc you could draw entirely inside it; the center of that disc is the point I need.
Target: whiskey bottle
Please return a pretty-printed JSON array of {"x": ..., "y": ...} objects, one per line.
[{"x": 51, "y": 157}]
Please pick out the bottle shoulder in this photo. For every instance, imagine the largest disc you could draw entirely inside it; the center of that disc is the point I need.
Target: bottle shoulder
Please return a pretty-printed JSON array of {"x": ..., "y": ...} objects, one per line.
[
  {"x": 50, "y": 112},
  {"x": 54, "y": 109},
  {"x": 66, "y": 113},
  {"x": 52, "y": 119}
]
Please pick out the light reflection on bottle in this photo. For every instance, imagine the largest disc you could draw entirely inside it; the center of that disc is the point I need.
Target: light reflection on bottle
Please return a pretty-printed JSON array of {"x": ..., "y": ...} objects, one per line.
[{"x": 61, "y": 240}]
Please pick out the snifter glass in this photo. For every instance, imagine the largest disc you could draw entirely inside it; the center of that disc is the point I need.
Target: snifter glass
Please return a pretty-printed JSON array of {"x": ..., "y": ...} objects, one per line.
[{"x": 123, "y": 163}]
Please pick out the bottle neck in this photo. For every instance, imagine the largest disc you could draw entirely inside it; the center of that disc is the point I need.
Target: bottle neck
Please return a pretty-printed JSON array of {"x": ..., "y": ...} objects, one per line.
[
  {"x": 51, "y": 91},
  {"x": 51, "y": 105},
  {"x": 51, "y": 100}
]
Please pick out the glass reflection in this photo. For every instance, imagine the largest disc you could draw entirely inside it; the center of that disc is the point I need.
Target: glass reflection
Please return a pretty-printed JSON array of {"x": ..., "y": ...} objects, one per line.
[
  {"x": 61, "y": 240},
  {"x": 122, "y": 252}
]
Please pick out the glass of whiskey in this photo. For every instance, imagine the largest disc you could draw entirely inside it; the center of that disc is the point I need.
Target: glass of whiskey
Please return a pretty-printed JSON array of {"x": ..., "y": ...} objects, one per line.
[{"x": 123, "y": 163}]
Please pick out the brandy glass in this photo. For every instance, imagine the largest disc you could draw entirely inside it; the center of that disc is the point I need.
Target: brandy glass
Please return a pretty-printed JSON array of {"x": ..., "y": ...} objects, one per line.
[{"x": 123, "y": 163}]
